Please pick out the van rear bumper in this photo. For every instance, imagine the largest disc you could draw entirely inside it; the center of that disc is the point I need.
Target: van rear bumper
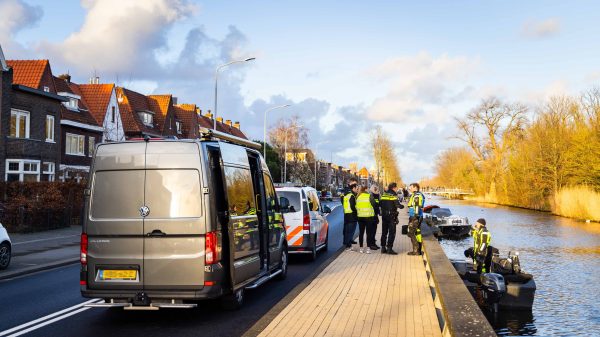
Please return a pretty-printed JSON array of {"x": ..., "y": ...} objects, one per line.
[{"x": 206, "y": 292}]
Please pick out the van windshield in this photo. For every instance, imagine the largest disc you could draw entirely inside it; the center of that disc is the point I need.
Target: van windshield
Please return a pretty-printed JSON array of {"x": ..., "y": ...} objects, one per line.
[{"x": 294, "y": 198}]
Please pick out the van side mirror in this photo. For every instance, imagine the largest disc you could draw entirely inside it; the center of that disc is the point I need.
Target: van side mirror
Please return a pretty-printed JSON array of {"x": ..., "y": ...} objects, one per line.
[
  {"x": 326, "y": 209},
  {"x": 284, "y": 204}
]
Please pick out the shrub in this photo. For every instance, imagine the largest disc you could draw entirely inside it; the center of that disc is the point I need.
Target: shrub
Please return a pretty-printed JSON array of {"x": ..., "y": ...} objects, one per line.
[{"x": 580, "y": 202}]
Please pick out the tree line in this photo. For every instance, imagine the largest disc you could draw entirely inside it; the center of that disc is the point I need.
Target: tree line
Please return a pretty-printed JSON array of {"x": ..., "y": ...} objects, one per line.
[{"x": 546, "y": 158}]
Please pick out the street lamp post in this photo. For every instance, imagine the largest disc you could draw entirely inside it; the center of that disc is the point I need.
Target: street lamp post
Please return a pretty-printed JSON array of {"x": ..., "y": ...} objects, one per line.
[
  {"x": 217, "y": 79},
  {"x": 285, "y": 152},
  {"x": 265, "y": 128}
]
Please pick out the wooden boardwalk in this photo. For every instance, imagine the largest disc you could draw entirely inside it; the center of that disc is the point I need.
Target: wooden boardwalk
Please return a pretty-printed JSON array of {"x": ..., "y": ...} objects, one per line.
[{"x": 364, "y": 295}]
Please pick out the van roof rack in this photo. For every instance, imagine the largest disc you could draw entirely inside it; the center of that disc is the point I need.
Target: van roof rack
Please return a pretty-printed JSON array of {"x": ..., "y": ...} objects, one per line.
[{"x": 210, "y": 134}]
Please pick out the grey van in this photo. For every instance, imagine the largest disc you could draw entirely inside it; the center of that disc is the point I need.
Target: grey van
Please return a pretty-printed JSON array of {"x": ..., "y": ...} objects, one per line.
[{"x": 170, "y": 222}]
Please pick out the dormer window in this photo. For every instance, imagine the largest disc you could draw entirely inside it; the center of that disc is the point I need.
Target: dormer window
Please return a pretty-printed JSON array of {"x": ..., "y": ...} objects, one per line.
[
  {"x": 147, "y": 118},
  {"x": 179, "y": 127},
  {"x": 46, "y": 89},
  {"x": 73, "y": 103}
]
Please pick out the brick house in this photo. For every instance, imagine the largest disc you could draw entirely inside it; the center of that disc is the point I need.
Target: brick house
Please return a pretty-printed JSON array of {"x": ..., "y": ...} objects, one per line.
[
  {"x": 101, "y": 100},
  {"x": 187, "y": 115},
  {"x": 29, "y": 121},
  {"x": 138, "y": 118},
  {"x": 79, "y": 131}
]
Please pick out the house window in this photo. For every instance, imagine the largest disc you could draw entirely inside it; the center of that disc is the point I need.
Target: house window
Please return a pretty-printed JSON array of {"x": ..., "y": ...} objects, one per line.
[
  {"x": 22, "y": 170},
  {"x": 91, "y": 144},
  {"x": 179, "y": 127},
  {"x": 75, "y": 144},
  {"x": 113, "y": 114},
  {"x": 49, "y": 128},
  {"x": 73, "y": 103},
  {"x": 46, "y": 89},
  {"x": 146, "y": 118},
  {"x": 19, "y": 123},
  {"x": 48, "y": 171}
]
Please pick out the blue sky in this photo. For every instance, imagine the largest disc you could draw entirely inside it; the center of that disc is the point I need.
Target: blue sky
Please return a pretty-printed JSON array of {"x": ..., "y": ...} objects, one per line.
[{"x": 344, "y": 66}]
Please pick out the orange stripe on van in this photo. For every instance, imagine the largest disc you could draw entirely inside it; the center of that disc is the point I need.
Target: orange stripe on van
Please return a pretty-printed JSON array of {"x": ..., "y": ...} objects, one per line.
[
  {"x": 294, "y": 232},
  {"x": 298, "y": 242}
]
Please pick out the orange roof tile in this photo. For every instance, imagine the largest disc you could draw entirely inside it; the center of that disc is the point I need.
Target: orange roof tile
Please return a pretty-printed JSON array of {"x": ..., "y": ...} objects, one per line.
[
  {"x": 160, "y": 105},
  {"x": 186, "y": 113},
  {"x": 97, "y": 98},
  {"x": 31, "y": 73},
  {"x": 131, "y": 102}
]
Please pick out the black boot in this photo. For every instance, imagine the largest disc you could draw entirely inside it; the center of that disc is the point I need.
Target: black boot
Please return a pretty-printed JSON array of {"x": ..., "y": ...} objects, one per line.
[
  {"x": 391, "y": 251},
  {"x": 383, "y": 250}
]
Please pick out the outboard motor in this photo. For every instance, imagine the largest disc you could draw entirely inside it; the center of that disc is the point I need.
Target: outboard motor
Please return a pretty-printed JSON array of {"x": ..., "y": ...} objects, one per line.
[{"x": 493, "y": 288}]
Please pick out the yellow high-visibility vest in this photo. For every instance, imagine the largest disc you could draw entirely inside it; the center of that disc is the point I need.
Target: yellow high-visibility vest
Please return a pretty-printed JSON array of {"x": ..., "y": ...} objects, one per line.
[
  {"x": 364, "y": 209},
  {"x": 347, "y": 208}
]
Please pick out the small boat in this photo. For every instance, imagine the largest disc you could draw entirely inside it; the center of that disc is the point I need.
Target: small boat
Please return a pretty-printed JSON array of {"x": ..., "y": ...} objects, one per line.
[
  {"x": 506, "y": 287},
  {"x": 447, "y": 224}
]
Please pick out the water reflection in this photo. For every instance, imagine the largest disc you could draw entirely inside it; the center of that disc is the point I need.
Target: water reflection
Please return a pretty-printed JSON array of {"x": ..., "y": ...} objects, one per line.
[{"x": 561, "y": 253}]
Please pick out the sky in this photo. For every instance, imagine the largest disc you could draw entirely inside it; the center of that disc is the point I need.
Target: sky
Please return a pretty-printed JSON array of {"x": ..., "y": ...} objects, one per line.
[{"x": 344, "y": 67}]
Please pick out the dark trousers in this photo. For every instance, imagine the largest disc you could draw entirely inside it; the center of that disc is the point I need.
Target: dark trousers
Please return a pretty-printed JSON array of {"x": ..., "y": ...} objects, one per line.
[
  {"x": 371, "y": 230},
  {"x": 362, "y": 226},
  {"x": 349, "y": 230},
  {"x": 388, "y": 233}
]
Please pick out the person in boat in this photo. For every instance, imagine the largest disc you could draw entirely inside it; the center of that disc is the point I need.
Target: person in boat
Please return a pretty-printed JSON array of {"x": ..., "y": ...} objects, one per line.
[{"x": 481, "y": 243}]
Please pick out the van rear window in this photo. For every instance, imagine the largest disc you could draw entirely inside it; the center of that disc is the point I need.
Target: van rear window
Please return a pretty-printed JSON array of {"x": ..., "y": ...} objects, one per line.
[
  {"x": 117, "y": 194},
  {"x": 173, "y": 193},
  {"x": 293, "y": 197}
]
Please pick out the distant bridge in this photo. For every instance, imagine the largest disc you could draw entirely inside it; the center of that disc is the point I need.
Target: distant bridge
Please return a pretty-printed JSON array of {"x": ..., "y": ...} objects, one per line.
[{"x": 449, "y": 192}]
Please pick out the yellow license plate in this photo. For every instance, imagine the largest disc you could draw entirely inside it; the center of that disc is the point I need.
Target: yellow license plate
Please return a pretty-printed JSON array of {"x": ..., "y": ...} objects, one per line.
[{"x": 122, "y": 275}]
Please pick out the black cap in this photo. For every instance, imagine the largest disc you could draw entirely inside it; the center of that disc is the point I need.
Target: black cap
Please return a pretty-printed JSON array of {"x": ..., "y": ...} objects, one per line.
[{"x": 481, "y": 221}]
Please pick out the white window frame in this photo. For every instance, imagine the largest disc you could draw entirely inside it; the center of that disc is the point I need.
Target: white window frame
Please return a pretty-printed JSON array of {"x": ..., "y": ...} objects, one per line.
[
  {"x": 19, "y": 113},
  {"x": 91, "y": 145},
  {"x": 147, "y": 118},
  {"x": 51, "y": 139},
  {"x": 51, "y": 170},
  {"x": 82, "y": 148},
  {"x": 21, "y": 171},
  {"x": 179, "y": 127}
]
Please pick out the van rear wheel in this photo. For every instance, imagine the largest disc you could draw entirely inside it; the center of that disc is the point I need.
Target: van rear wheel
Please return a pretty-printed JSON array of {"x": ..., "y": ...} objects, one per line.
[
  {"x": 234, "y": 300},
  {"x": 313, "y": 252},
  {"x": 284, "y": 264}
]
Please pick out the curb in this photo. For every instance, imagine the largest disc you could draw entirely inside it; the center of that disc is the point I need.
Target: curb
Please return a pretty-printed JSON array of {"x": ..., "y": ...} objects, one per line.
[
  {"x": 34, "y": 269},
  {"x": 264, "y": 321}
]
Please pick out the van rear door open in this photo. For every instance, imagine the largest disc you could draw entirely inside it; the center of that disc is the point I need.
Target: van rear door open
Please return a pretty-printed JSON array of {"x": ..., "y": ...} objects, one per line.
[{"x": 174, "y": 242}]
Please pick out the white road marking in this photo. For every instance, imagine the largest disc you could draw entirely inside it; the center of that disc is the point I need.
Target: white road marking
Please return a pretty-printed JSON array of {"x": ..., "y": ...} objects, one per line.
[
  {"x": 68, "y": 311},
  {"x": 48, "y": 239}
]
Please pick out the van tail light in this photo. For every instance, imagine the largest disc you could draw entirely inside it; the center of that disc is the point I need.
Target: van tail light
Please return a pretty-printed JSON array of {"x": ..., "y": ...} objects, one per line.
[
  {"x": 84, "y": 249},
  {"x": 306, "y": 222},
  {"x": 212, "y": 248}
]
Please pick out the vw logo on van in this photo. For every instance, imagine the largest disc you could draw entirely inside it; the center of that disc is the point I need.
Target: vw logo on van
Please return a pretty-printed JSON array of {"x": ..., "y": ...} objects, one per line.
[{"x": 144, "y": 211}]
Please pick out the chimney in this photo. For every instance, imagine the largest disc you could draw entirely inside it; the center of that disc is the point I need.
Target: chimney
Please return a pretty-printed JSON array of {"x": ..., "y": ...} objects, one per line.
[
  {"x": 198, "y": 111},
  {"x": 236, "y": 125},
  {"x": 174, "y": 100},
  {"x": 220, "y": 119},
  {"x": 65, "y": 77},
  {"x": 228, "y": 122},
  {"x": 95, "y": 80},
  {"x": 208, "y": 114}
]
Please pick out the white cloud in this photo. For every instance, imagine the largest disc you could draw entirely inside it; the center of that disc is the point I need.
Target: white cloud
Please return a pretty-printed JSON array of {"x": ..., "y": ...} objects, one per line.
[
  {"x": 119, "y": 36},
  {"x": 541, "y": 29},
  {"x": 16, "y": 15},
  {"x": 422, "y": 87}
]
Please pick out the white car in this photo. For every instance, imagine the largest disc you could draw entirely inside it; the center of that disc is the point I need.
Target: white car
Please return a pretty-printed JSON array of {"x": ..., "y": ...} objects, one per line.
[
  {"x": 5, "y": 248},
  {"x": 306, "y": 226}
]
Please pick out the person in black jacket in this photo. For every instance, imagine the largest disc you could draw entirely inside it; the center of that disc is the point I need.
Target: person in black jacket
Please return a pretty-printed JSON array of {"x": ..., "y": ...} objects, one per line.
[
  {"x": 348, "y": 200},
  {"x": 389, "y": 205}
]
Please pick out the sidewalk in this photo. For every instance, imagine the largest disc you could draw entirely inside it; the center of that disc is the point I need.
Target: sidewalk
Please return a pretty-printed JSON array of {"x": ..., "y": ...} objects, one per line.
[
  {"x": 34, "y": 252},
  {"x": 364, "y": 295}
]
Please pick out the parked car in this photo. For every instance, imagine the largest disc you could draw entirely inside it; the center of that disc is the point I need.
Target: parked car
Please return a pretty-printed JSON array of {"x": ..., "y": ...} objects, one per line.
[
  {"x": 306, "y": 224},
  {"x": 170, "y": 222},
  {"x": 5, "y": 248}
]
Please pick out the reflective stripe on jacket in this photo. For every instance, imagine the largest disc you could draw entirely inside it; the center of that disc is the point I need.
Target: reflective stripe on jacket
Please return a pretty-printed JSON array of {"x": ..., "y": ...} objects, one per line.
[
  {"x": 415, "y": 204},
  {"x": 364, "y": 208}
]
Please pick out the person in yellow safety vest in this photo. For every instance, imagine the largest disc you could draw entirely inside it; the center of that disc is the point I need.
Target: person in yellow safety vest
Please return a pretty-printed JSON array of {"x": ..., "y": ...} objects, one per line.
[
  {"x": 350, "y": 217},
  {"x": 415, "y": 216},
  {"x": 481, "y": 243},
  {"x": 365, "y": 210}
]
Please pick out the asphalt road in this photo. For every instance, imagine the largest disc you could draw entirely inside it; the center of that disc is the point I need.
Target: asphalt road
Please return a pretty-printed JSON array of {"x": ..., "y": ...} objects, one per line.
[{"x": 42, "y": 304}]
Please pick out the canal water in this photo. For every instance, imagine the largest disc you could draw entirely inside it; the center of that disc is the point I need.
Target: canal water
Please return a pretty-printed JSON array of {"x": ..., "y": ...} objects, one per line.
[{"x": 562, "y": 254}]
